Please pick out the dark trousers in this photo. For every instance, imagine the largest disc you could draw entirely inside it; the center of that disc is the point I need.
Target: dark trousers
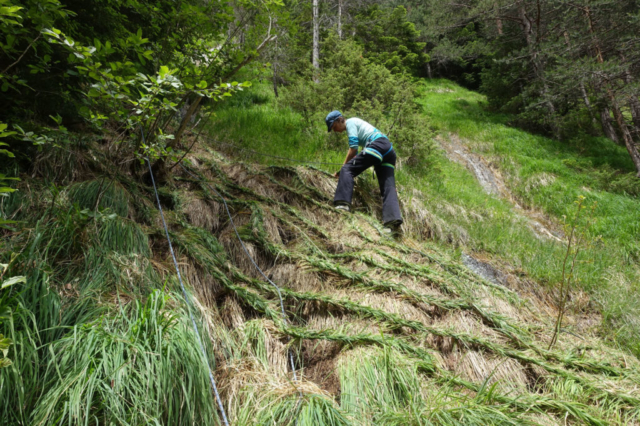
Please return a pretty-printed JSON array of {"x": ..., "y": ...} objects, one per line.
[{"x": 385, "y": 171}]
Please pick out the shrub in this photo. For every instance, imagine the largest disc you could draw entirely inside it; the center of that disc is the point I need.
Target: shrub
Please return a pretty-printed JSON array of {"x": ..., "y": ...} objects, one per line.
[{"x": 359, "y": 87}]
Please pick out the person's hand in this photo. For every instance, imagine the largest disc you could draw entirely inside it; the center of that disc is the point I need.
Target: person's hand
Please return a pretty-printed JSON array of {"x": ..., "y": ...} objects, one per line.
[{"x": 336, "y": 174}]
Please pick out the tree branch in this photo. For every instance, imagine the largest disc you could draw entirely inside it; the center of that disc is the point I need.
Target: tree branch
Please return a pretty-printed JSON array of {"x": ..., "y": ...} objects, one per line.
[{"x": 21, "y": 56}]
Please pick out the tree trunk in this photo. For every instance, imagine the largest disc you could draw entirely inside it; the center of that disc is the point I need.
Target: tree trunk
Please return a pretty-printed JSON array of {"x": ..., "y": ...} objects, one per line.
[
  {"x": 275, "y": 69},
  {"x": 538, "y": 67},
  {"x": 185, "y": 121},
  {"x": 498, "y": 19},
  {"x": 587, "y": 102},
  {"x": 583, "y": 90},
  {"x": 632, "y": 148},
  {"x": 316, "y": 42},
  {"x": 275, "y": 79},
  {"x": 634, "y": 104},
  {"x": 607, "y": 127},
  {"x": 626, "y": 135},
  {"x": 428, "y": 64},
  {"x": 340, "y": 19}
]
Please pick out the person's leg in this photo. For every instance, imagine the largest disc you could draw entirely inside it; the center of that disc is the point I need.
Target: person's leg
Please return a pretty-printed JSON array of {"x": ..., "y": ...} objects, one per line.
[
  {"x": 344, "y": 191},
  {"x": 385, "y": 172}
]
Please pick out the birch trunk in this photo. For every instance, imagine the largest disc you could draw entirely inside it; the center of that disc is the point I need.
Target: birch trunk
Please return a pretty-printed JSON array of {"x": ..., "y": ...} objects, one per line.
[
  {"x": 316, "y": 41},
  {"x": 340, "y": 19}
]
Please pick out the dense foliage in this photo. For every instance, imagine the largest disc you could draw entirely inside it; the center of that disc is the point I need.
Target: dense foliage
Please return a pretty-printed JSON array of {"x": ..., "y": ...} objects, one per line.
[
  {"x": 569, "y": 69},
  {"x": 365, "y": 88}
]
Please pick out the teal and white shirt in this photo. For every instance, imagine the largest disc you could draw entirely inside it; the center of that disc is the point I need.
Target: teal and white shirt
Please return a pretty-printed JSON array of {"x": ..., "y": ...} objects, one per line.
[{"x": 361, "y": 133}]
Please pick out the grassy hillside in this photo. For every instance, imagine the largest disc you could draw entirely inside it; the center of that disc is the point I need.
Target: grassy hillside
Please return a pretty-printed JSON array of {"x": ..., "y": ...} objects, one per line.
[
  {"x": 543, "y": 176},
  {"x": 381, "y": 331}
]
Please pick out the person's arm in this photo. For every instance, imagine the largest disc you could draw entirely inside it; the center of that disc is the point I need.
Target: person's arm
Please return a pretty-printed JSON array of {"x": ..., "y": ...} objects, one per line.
[
  {"x": 352, "y": 133},
  {"x": 350, "y": 154}
]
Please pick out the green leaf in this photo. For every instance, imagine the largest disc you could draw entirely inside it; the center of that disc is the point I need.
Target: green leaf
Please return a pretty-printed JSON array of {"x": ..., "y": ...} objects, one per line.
[
  {"x": 5, "y": 343},
  {"x": 202, "y": 84},
  {"x": 164, "y": 70},
  {"x": 14, "y": 280}
]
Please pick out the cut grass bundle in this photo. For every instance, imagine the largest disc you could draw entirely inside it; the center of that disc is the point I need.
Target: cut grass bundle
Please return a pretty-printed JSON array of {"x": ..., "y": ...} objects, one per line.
[
  {"x": 122, "y": 236},
  {"x": 101, "y": 194},
  {"x": 374, "y": 381}
]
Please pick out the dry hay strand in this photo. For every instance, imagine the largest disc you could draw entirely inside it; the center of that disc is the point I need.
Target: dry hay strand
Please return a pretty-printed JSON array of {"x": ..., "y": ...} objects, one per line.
[
  {"x": 427, "y": 288},
  {"x": 480, "y": 367},
  {"x": 419, "y": 221},
  {"x": 546, "y": 419},
  {"x": 296, "y": 278},
  {"x": 277, "y": 351},
  {"x": 315, "y": 350},
  {"x": 246, "y": 382},
  {"x": 257, "y": 183},
  {"x": 487, "y": 299},
  {"x": 259, "y": 341},
  {"x": 236, "y": 252},
  {"x": 211, "y": 328},
  {"x": 272, "y": 228},
  {"x": 132, "y": 267},
  {"x": 366, "y": 228},
  {"x": 204, "y": 214},
  {"x": 462, "y": 322},
  {"x": 231, "y": 313},
  {"x": 322, "y": 218},
  {"x": 323, "y": 183},
  {"x": 390, "y": 303},
  {"x": 341, "y": 237},
  {"x": 206, "y": 287}
]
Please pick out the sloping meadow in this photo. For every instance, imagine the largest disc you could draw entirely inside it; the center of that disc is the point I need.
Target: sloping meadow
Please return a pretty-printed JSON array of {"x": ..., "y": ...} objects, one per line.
[{"x": 376, "y": 331}]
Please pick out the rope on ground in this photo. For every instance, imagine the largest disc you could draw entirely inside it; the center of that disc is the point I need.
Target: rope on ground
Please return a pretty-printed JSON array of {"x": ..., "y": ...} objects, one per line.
[
  {"x": 284, "y": 314},
  {"x": 186, "y": 297},
  {"x": 275, "y": 156}
]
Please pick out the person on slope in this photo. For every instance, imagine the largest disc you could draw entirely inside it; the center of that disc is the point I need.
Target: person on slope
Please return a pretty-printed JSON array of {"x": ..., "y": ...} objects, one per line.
[{"x": 378, "y": 152}]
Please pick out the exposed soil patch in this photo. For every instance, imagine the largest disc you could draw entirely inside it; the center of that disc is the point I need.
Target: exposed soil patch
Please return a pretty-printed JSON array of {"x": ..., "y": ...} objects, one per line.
[{"x": 492, "y": 183}]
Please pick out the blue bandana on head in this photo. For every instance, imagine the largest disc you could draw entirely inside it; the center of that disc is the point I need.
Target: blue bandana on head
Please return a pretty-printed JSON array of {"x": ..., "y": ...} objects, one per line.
[{"x": 331, "y": 118}]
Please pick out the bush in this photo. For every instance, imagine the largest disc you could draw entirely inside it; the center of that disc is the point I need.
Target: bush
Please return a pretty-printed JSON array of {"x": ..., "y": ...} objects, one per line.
[{"x": 361, "y": 88}]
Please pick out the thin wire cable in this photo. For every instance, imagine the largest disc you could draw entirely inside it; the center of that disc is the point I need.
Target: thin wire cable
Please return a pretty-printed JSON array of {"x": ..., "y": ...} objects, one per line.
[
  {"x": 284, "y": 314},
  {"x": 275, "y": 156},
  {"x": 186, "y": 298}
]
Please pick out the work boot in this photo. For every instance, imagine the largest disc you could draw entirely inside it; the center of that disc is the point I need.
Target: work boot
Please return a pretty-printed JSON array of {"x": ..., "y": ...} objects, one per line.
[{"x": 392, "y": 228}]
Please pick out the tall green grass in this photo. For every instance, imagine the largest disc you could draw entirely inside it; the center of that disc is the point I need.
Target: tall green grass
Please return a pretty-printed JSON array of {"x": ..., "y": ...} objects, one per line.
[{"x": 142, "y": 366}]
